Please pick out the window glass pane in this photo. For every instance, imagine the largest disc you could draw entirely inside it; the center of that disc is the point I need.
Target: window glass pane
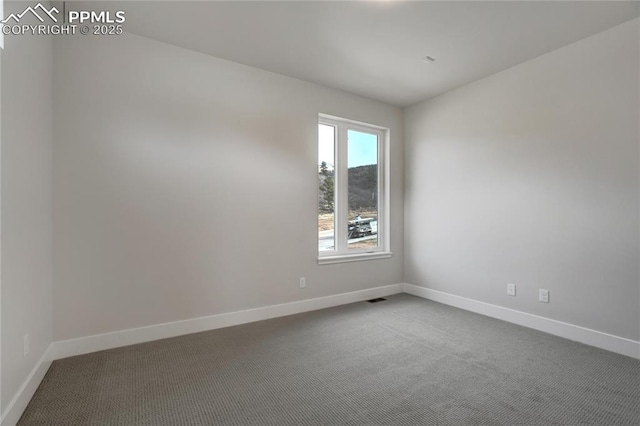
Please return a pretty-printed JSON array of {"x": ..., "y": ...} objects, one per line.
[
  {"x": 326, "y": 192},
  {"x": 362, "y": 164}
]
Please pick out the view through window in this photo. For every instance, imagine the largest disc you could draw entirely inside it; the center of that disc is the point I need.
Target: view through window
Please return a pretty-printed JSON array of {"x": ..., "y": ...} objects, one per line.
[
  {"x": 362, "y": 158},
  {"x": 326, "y": 194}
]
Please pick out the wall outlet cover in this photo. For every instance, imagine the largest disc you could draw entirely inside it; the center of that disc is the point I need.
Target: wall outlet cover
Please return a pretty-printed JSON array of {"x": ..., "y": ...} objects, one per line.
[{"x": 543, "y": 295}]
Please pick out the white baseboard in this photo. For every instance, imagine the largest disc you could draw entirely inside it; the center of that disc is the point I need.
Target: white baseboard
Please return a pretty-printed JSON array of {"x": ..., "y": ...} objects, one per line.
[
  {"x": 83, "y": 345},
  {"x": 576, "y": 333},
  {"x": 20, "y": 401}
]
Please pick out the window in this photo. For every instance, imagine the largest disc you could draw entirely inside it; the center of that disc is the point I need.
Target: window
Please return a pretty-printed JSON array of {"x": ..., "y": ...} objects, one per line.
[{"x": 352, "y": 195}]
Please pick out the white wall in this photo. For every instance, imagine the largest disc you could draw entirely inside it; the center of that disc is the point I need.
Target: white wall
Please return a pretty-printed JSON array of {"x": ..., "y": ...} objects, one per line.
[
  {"x": 26, "y": 199},
  {"x": 530, "y": 176},
  {"x": 186, "y": 186}
]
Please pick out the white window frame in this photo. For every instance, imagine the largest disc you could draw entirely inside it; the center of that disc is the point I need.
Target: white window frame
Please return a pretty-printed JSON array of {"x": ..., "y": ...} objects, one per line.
[
  {"x": 1, "y": 18},
  {"x": 341, "y": 253}
]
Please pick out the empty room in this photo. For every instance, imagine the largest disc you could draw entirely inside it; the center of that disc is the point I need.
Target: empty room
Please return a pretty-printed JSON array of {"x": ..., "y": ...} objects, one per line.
[{"x": 319, "y": 213}]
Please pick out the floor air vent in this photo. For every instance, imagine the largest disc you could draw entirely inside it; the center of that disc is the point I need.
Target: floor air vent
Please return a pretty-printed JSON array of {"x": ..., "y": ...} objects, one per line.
[{"x": 379, "y": 299}]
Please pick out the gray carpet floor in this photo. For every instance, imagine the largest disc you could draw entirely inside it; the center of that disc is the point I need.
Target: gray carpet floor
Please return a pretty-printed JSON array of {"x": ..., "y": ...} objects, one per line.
[{"x": 404, "y": 361}]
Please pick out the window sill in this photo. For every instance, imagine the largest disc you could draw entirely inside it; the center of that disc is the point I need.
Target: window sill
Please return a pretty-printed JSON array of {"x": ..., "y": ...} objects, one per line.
[{"x": 327, "y": 260}]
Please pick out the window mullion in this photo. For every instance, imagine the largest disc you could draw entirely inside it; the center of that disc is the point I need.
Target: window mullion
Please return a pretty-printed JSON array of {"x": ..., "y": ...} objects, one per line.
[
  {"x": 342, "y": 204},
  {"x": 382, "y": 188}
]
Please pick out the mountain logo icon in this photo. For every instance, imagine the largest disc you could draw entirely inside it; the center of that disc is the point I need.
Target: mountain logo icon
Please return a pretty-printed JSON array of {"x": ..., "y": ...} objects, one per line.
[{"x": 34, "y": 11}]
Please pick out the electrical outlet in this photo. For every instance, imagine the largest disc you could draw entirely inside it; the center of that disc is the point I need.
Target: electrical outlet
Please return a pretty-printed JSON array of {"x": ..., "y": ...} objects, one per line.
[
  {"x": 511, "y": 289},
  {"x": 26, "y": 344},
  {"x": 303, "y": 282},
  {"x": 543, "y": 295}
]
